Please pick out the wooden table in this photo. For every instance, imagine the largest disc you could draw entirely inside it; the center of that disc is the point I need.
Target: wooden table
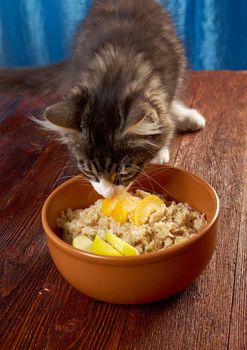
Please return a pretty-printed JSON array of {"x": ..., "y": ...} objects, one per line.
[{"x": 40, "y": 310}]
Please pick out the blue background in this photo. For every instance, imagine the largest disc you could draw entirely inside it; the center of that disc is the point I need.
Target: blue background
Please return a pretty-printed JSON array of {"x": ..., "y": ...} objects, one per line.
[{"x": 38, "y": 32}]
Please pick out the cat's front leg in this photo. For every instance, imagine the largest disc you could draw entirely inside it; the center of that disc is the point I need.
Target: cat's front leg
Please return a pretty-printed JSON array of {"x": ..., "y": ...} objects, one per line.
[
  {"x": 162, "y": 157},
  {"x": 186, "y": 119}
]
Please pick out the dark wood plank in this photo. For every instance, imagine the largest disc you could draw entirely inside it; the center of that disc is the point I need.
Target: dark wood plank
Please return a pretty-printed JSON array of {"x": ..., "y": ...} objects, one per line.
[
  {"x": 225, "y": 154},
  {"x": 21, "y": 142},
  {"x": 39, "y": 310},
  {"x": 238, "y": 326},
  {"x": 200, "y": 317}
]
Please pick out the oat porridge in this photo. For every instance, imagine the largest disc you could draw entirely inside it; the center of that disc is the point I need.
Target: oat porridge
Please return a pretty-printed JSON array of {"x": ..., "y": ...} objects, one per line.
[{"x": 143, "y": 221}]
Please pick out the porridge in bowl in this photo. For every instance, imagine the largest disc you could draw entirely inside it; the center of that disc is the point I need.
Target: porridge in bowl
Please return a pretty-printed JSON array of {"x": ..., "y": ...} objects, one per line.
[
  {"x": 130, "y": 224},
  {"x": 147, "y": 277}
]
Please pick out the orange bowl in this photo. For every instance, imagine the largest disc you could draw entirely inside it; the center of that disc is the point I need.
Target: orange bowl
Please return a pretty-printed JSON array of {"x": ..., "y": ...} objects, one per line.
[{"x": 137, "y": 279}]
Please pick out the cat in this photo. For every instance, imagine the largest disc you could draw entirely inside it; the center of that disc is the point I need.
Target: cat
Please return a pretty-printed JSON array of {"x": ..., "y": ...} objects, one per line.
[{"x": 122, "y": 83}]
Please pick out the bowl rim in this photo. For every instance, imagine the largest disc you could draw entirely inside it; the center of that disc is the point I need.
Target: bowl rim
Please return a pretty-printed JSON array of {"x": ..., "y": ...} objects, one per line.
[{"x": 125, "y": 260}]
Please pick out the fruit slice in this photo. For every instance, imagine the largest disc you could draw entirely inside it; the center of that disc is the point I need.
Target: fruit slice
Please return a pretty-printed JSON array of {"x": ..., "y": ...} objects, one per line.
[
  {"x": 124, "y": 207},
  {"x": 109, "y": 204},
  {"x": 125, "y": 248},
  {"x": 82, "y": 242},
  {"x": 101, "y": 247},
  {"x": 145, "y": 208}
]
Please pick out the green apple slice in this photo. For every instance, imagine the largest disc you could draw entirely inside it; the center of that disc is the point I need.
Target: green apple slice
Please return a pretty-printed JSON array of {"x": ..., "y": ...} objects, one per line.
[
  {"x": 101, "y": 247},
  {"x": 82, "y": 242},
  {"x": 122, "y": 246}
]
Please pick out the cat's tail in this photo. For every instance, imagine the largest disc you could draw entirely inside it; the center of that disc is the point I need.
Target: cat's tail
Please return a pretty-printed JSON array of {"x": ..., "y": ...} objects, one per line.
[{"x": 34, "y": 81}]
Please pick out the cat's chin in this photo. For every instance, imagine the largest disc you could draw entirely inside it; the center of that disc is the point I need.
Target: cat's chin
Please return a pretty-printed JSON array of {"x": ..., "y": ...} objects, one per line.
[{"x": 107, "y": 189}]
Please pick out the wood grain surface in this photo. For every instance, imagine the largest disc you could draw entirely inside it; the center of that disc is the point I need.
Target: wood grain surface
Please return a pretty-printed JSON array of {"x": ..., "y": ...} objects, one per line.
[{"x": 40, "y": 310}]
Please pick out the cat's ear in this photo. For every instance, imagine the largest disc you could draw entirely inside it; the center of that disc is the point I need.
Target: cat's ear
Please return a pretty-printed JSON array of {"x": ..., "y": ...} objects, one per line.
[
  {"x": 143, "y": 122},
  {"x": 63, "y": 115},
  {"x": 67, "y": 113}
]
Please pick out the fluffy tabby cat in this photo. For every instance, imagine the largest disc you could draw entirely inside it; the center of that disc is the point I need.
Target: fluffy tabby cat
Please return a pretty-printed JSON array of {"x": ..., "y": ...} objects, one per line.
[{"x": 122, "y": 81}]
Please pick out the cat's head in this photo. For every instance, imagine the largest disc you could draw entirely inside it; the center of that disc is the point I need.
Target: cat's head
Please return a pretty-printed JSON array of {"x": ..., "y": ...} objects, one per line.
[{"x": 111, "y": 140}]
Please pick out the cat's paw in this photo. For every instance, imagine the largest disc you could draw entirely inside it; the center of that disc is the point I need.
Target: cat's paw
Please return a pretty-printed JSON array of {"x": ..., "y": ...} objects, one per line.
[
  {"x": 162, "y": 157},
  {"x": 186, "y": 118},
  {"x": 192, "y": 121}
]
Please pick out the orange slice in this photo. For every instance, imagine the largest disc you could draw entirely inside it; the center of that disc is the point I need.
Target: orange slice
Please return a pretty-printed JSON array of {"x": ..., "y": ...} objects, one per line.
[
  {"x": 145, "y": 208},
  {"x": 109, "y": 204},
  {"x": 124, "y": 208}
]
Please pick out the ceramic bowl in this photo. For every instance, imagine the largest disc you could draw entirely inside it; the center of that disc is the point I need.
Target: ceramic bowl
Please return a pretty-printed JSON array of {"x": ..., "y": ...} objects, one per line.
[{"x": 138, "y": 279}]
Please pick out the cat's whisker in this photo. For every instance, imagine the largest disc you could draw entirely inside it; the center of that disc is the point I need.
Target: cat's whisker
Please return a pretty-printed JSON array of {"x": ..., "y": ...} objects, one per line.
[
  {"x": 82, "y": 178},
  {"x": 63, "y": 178},
  {"x": 143, "y": 172},
  {"x": 137, "y": 183},
  {"x": 156, "y": 173},
  {"x": 150, "y": 176},
  {"x": 162, "y": 187},
  {"x": 84, "y": 181},
  {"x": 140, "y": 170},
  {"x": 68, "y": 172},
  {"x": 86, "y": 184},
  {"x": 158, "y": 170}
]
